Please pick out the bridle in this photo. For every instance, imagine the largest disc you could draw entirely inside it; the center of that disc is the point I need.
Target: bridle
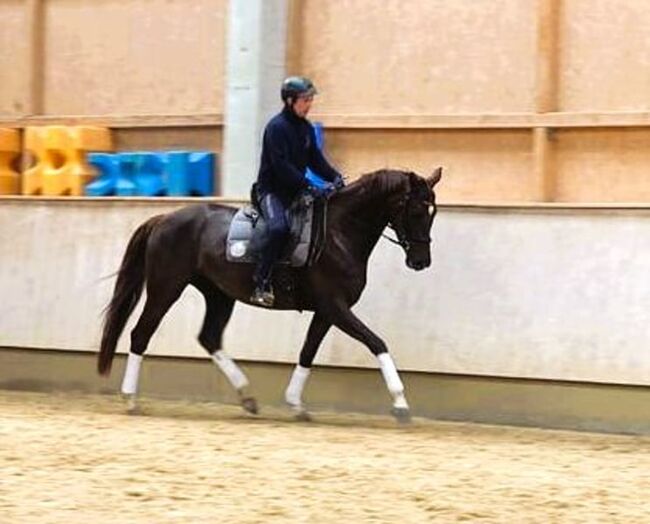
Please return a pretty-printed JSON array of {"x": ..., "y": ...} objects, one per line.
[{"x": 404, "y": 239}]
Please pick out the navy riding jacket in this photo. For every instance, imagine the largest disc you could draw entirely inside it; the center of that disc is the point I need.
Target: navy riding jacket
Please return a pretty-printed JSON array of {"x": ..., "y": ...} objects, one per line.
[{"x": 288, "y": 148}]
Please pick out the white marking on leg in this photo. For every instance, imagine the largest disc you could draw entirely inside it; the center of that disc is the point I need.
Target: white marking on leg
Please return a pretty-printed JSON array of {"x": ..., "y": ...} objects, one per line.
[
  {"x": 131, "y": 374},
  {"x": 293, "y": 393},
  {"x": 233, "y": 372},
  {"x": 393, "y": 382}
]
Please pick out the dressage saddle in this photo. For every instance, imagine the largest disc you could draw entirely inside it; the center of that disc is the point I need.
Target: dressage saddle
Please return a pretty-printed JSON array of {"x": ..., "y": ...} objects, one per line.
[{"x": 248, "y": 232}]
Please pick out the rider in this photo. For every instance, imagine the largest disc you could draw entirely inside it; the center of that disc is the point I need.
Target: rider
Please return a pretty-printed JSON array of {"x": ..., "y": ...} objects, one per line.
[{"x": 288, "y": 148}]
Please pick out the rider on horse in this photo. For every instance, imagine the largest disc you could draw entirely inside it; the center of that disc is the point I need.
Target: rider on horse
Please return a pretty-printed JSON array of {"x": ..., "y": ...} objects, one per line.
[{"x": 288, "y": 148}]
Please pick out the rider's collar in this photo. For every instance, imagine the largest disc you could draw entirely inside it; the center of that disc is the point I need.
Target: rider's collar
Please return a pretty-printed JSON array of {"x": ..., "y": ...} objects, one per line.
[{"x": 291, "y": 114}]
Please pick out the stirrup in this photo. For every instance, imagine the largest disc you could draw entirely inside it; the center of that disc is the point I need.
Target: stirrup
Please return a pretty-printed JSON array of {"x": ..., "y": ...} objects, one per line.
[{"x": 263, "y": 298}]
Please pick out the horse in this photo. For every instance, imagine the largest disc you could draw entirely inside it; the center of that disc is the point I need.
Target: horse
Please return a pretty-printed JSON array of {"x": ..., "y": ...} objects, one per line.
[{"x": 185, "y": 247}]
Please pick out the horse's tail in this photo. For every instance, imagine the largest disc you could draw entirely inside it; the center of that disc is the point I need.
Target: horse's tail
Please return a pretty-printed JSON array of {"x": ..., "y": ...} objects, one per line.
[{"x": 128, "y": 288}]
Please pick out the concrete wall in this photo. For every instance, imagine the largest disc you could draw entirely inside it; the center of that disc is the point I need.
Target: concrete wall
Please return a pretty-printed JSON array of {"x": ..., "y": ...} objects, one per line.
[
  {"x": 538, "y": 292},
  {"x": 521, "y": 402}
]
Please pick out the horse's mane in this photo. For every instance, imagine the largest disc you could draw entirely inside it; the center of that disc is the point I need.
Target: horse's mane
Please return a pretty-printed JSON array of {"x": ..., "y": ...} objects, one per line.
[{"x": 378, "y": 182}]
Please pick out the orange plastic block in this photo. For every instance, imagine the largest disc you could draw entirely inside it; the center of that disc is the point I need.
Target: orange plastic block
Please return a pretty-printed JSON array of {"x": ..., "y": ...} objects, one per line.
[
  {"x": 60, "y": 151},
  {"x": 9, "y": 150}
]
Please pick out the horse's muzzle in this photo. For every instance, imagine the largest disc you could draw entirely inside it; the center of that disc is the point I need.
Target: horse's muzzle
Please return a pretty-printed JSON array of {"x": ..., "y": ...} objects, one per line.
[{"x": 418, "y": 265}]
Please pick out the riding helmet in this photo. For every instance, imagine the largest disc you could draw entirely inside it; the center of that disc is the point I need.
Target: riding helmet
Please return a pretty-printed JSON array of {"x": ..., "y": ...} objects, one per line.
[{"x": 296, "y": 86}]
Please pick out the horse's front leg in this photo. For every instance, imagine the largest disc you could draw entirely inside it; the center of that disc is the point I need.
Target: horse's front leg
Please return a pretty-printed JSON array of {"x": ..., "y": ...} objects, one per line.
[
  {"x": 343, "y": 318},
  {"x": 293, "y": 394}
]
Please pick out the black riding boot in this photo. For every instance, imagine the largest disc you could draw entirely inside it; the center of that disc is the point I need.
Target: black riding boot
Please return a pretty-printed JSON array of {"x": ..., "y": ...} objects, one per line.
[
  {"x": 278, "y": 233},
  {"x": 263, "y": 294}
]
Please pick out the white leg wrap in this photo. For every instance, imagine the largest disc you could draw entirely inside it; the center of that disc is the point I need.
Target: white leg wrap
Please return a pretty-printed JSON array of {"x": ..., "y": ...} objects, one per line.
[
  {"x": 232, "y": 371},
  {"x": 393, "y": 382},
  {"x": 131, "y": 374},
  {"x": 293, "y": 393}
]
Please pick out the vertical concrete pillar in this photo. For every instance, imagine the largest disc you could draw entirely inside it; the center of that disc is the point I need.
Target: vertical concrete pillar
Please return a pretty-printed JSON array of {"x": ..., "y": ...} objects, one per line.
[{"x": 255, "y": 68}]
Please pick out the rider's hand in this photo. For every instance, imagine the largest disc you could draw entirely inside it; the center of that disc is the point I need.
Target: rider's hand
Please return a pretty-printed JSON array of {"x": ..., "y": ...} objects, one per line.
[
  {"x": 323, "y": 191},
  {"x": 329, "y": 188}
]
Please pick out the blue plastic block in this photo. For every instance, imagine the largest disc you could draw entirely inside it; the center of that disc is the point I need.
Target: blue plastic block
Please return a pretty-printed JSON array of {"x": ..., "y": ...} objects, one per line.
[
  {"x": 111, "y": 179},
  {"x": 313, "y": 178},
  {"x": 153, "y": 173},
  {"x": 203, "y": 167},
  {"x": 146, "y": 169},
  {"x": 177, "y": 169},
  {"x": 190, "y": 173},
  {"x": 320, "y": 136},
  {"x": 104, "y": 183}
]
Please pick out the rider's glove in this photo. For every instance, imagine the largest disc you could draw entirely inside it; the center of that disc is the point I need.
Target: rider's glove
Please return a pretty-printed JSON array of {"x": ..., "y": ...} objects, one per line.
[
  {"x": 323, "y": 191},
  {"x": 339, "y": 183}
]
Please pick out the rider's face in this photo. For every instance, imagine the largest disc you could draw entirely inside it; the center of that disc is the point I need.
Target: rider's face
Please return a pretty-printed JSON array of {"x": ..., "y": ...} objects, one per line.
[{"x": 302, "y": 105}]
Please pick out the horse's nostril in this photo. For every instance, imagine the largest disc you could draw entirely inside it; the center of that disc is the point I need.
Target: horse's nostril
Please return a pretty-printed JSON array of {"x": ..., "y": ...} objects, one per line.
[{"x": 417, "y": 265}]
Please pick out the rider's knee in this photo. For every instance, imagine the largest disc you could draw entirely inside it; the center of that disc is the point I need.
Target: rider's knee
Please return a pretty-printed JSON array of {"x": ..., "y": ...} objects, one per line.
[{"x": 278, "y": 230}]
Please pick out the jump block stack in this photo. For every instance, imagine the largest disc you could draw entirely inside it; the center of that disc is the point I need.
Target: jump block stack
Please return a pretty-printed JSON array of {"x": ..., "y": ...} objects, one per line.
[
  {"x": 9, "y": 151},
  {"x": 77, "y": 160},
  {"x": 60, "y": 152},
  {"x": 313, "y": 178},
  {"x": 151, "y": 173}
]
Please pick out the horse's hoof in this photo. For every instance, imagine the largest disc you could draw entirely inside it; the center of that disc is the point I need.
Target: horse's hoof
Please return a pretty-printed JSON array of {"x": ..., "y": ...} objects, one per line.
[
  {"x": 132, "y": 406},
  {"x": 134, "y": 411},
  {"x": 300, "y": 414},
  {"x": 250, "y": 405},
  {"x": 402, "y": 415},
  {"x": 303, "y": 416}
]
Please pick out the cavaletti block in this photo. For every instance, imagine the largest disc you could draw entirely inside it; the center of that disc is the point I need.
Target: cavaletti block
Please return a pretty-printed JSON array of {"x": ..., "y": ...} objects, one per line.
[
  {"x": 60, "y": 155},
  {"x": 9, "y": 151},
  {"x": 153, "y": 173}
]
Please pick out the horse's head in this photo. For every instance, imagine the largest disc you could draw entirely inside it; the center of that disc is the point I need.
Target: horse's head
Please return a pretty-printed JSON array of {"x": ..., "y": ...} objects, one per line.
[{"x": 412, "y": 215}]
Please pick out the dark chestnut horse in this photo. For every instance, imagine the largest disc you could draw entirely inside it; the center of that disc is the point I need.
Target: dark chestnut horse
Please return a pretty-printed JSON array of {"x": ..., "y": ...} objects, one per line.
[{"x": 188, "y": 247}]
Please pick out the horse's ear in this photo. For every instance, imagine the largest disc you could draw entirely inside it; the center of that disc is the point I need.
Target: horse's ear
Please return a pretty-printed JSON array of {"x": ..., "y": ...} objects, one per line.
[{"x": 435, "y": 177}]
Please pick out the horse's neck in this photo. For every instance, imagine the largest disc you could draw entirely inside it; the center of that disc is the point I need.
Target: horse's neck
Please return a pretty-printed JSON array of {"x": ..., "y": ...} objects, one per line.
[{"x": 363, "y": 215}]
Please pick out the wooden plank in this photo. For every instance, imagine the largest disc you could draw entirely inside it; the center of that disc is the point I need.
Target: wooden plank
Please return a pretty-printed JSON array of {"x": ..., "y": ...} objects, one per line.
[
  {"x": 546, "y": 94},
  {"x": 126, "y": 200},
  {"x": 547, "y": 56},
  {"x": 293, "y": 59},
  {"x": 361, "y": 121},
  {"x": 593, "y": 120},
  {"x": 544, "y": 173},
  {"x": 449, "y": 205},
  {"x": 119, "y": 121},
  {"x": 35, "y": 56},
  {"x": 401, "y": 121},
  {"x": 544, "y": 170},
  {"x": 485, "y": 121}
]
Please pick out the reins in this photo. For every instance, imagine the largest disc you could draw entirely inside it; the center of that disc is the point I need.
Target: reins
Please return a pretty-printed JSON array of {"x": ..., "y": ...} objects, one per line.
[{"x": 396, "y": 242}]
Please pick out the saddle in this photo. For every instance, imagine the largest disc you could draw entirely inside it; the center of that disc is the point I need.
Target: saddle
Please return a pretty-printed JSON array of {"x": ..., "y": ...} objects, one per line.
[{"x": 248, "y": 233}]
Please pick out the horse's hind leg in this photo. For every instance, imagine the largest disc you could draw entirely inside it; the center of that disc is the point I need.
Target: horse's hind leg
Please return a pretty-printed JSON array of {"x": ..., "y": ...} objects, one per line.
[
  {"x": 219, "y": 309},
  {"x": 293, "y": 394},
  {"x": 159, "y": 299}
]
